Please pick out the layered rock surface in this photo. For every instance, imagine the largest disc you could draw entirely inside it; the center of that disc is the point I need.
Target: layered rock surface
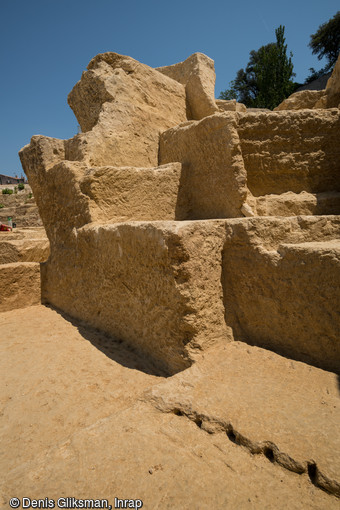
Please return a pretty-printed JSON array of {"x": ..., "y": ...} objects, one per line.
[
  {"x": 233, "y": 161},
  {"x": 172, "y": 289},
  {"x": 206, "y": 241},
  {"x": 271, "y": 266},
  {"x": 21, "y": 252}
]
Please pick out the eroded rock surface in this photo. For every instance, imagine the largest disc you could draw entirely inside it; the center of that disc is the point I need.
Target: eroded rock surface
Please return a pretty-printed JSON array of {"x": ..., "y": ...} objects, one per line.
[
  {"x": 197, "y": 74},
  {"x": 156, "y": 282},
  {"x": 129, "y": 193},
  {"x": 230, "y": 158},
  {"x": 271, "y": 267},
  {"x": 145, "y": 213},
  {"x": 235, "y": 430},
  {"x": 122, "y": 106},
  {"x": 326, "y": 98},
  {"x": 213, "y": 168},
  {"x": 21, "y": 252},
  {"x": 158, "y": 285}
]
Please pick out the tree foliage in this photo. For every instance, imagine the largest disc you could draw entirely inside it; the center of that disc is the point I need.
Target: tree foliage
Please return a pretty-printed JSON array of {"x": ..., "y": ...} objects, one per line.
[
  {"x": 326, "y": 43},
  {"x": 267, "y": 79}
]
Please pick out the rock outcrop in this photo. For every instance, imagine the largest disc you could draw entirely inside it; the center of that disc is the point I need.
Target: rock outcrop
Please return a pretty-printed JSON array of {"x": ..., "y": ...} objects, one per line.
[
  {"x": 300, "y": 100},
  {"x": 230, "y": 106},
  {"x": 197, "y": 74},
  {"x": 122, "y": 106},
  {"x": 326, "y": 98},
  {"x": 120, "y": 204},
  {"x": 191, "y": 238},
  {"x": 232, "y": 161}
]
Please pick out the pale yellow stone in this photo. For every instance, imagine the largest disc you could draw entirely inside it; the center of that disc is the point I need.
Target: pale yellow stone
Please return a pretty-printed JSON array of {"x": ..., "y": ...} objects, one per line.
[
  {"x": 327, "y": 98},
  {"x": 89, "y": 406},
  {"x": 197, "y": 74},
  {"x": 122, "y": 106},
  {"x": 214, "y": 176},
  {"x": 230, "y": 106},
  {"x": 145, "y": 211},
  {"x": 19, "y": 285},
  {"x": 161, "y": 284},
  {"x": 300, "y": 100}
]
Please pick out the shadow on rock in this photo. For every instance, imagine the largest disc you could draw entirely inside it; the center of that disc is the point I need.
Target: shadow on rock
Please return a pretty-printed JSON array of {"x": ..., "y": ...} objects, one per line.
[{"x": 115, "y": 349}]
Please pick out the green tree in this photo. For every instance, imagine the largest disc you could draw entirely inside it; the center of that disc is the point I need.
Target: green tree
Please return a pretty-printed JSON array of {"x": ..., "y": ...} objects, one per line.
[
  {"x": 326, "y": 43},
  {"x": 267, "y": 79}
]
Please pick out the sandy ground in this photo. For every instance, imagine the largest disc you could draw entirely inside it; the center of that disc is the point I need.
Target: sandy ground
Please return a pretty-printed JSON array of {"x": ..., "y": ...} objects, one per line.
[{"x": 84, "y": 416}]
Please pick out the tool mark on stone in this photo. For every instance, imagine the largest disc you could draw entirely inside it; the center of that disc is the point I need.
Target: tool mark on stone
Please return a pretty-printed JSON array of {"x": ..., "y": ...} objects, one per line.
[{"x": 266, "y": 448}]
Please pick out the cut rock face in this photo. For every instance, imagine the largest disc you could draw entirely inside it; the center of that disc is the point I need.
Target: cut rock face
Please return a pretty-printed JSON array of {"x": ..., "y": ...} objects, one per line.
[
  {"x": 116, "y": 201},
  {"x": 122, "y": 106},
  {"x": 230, "y": 158},
  {"x": 128, "y": 193},
  {"x": 271, "y": 268},
  {"x": 20, "y": 253},
  {"x": 197, "y": 74},
  {"x": 213, "y": 169},
  {"x": 146, "y": 284},
  {"x": 291, "y": 151}
]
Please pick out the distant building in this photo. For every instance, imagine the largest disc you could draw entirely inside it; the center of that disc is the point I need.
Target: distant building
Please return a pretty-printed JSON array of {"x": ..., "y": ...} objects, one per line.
[
  {"x": 8, "y": 179},
  {"x": 318, "y": 84}
]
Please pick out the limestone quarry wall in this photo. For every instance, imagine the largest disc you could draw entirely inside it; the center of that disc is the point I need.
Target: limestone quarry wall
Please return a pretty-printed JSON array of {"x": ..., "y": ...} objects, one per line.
[
  {"x": 20, "y": 253},
  {"x": 229, "y": 158},
  {"x": 173, "y": 289},
  {"x": 214, "y": 176},
  {"x": 111, "y": 199},
  {"x": 129, "y": 193},
  {"x": 295, "y": 151},
  {"x": 155, "y": 285},
  {"x": 281, "y": 280}
]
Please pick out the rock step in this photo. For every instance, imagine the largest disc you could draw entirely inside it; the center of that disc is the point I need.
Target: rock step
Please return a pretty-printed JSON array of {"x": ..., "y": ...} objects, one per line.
[
  {"x": 19, "y": 285},
  {"x": 281, "y": 287},
  {"x": 24, "y": 233},
  {"x": 294, "y": 204},
  {"x": 23, "y": 250},
  {"x": 172, "y": 289},
  {"x": 24, "y": 215}
]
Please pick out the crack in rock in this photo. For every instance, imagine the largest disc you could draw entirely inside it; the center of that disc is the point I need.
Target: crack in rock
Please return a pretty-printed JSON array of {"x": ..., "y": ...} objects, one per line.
[{"x": 266, "y": 448}]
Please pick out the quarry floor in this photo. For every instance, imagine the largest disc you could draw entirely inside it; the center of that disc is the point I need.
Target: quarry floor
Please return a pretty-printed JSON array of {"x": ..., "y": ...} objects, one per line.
[{"x": 84, "y": 416}]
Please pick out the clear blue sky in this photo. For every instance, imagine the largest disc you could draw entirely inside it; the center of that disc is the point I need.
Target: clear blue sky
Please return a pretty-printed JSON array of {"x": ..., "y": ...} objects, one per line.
[{"x": 46, "y": 44}]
